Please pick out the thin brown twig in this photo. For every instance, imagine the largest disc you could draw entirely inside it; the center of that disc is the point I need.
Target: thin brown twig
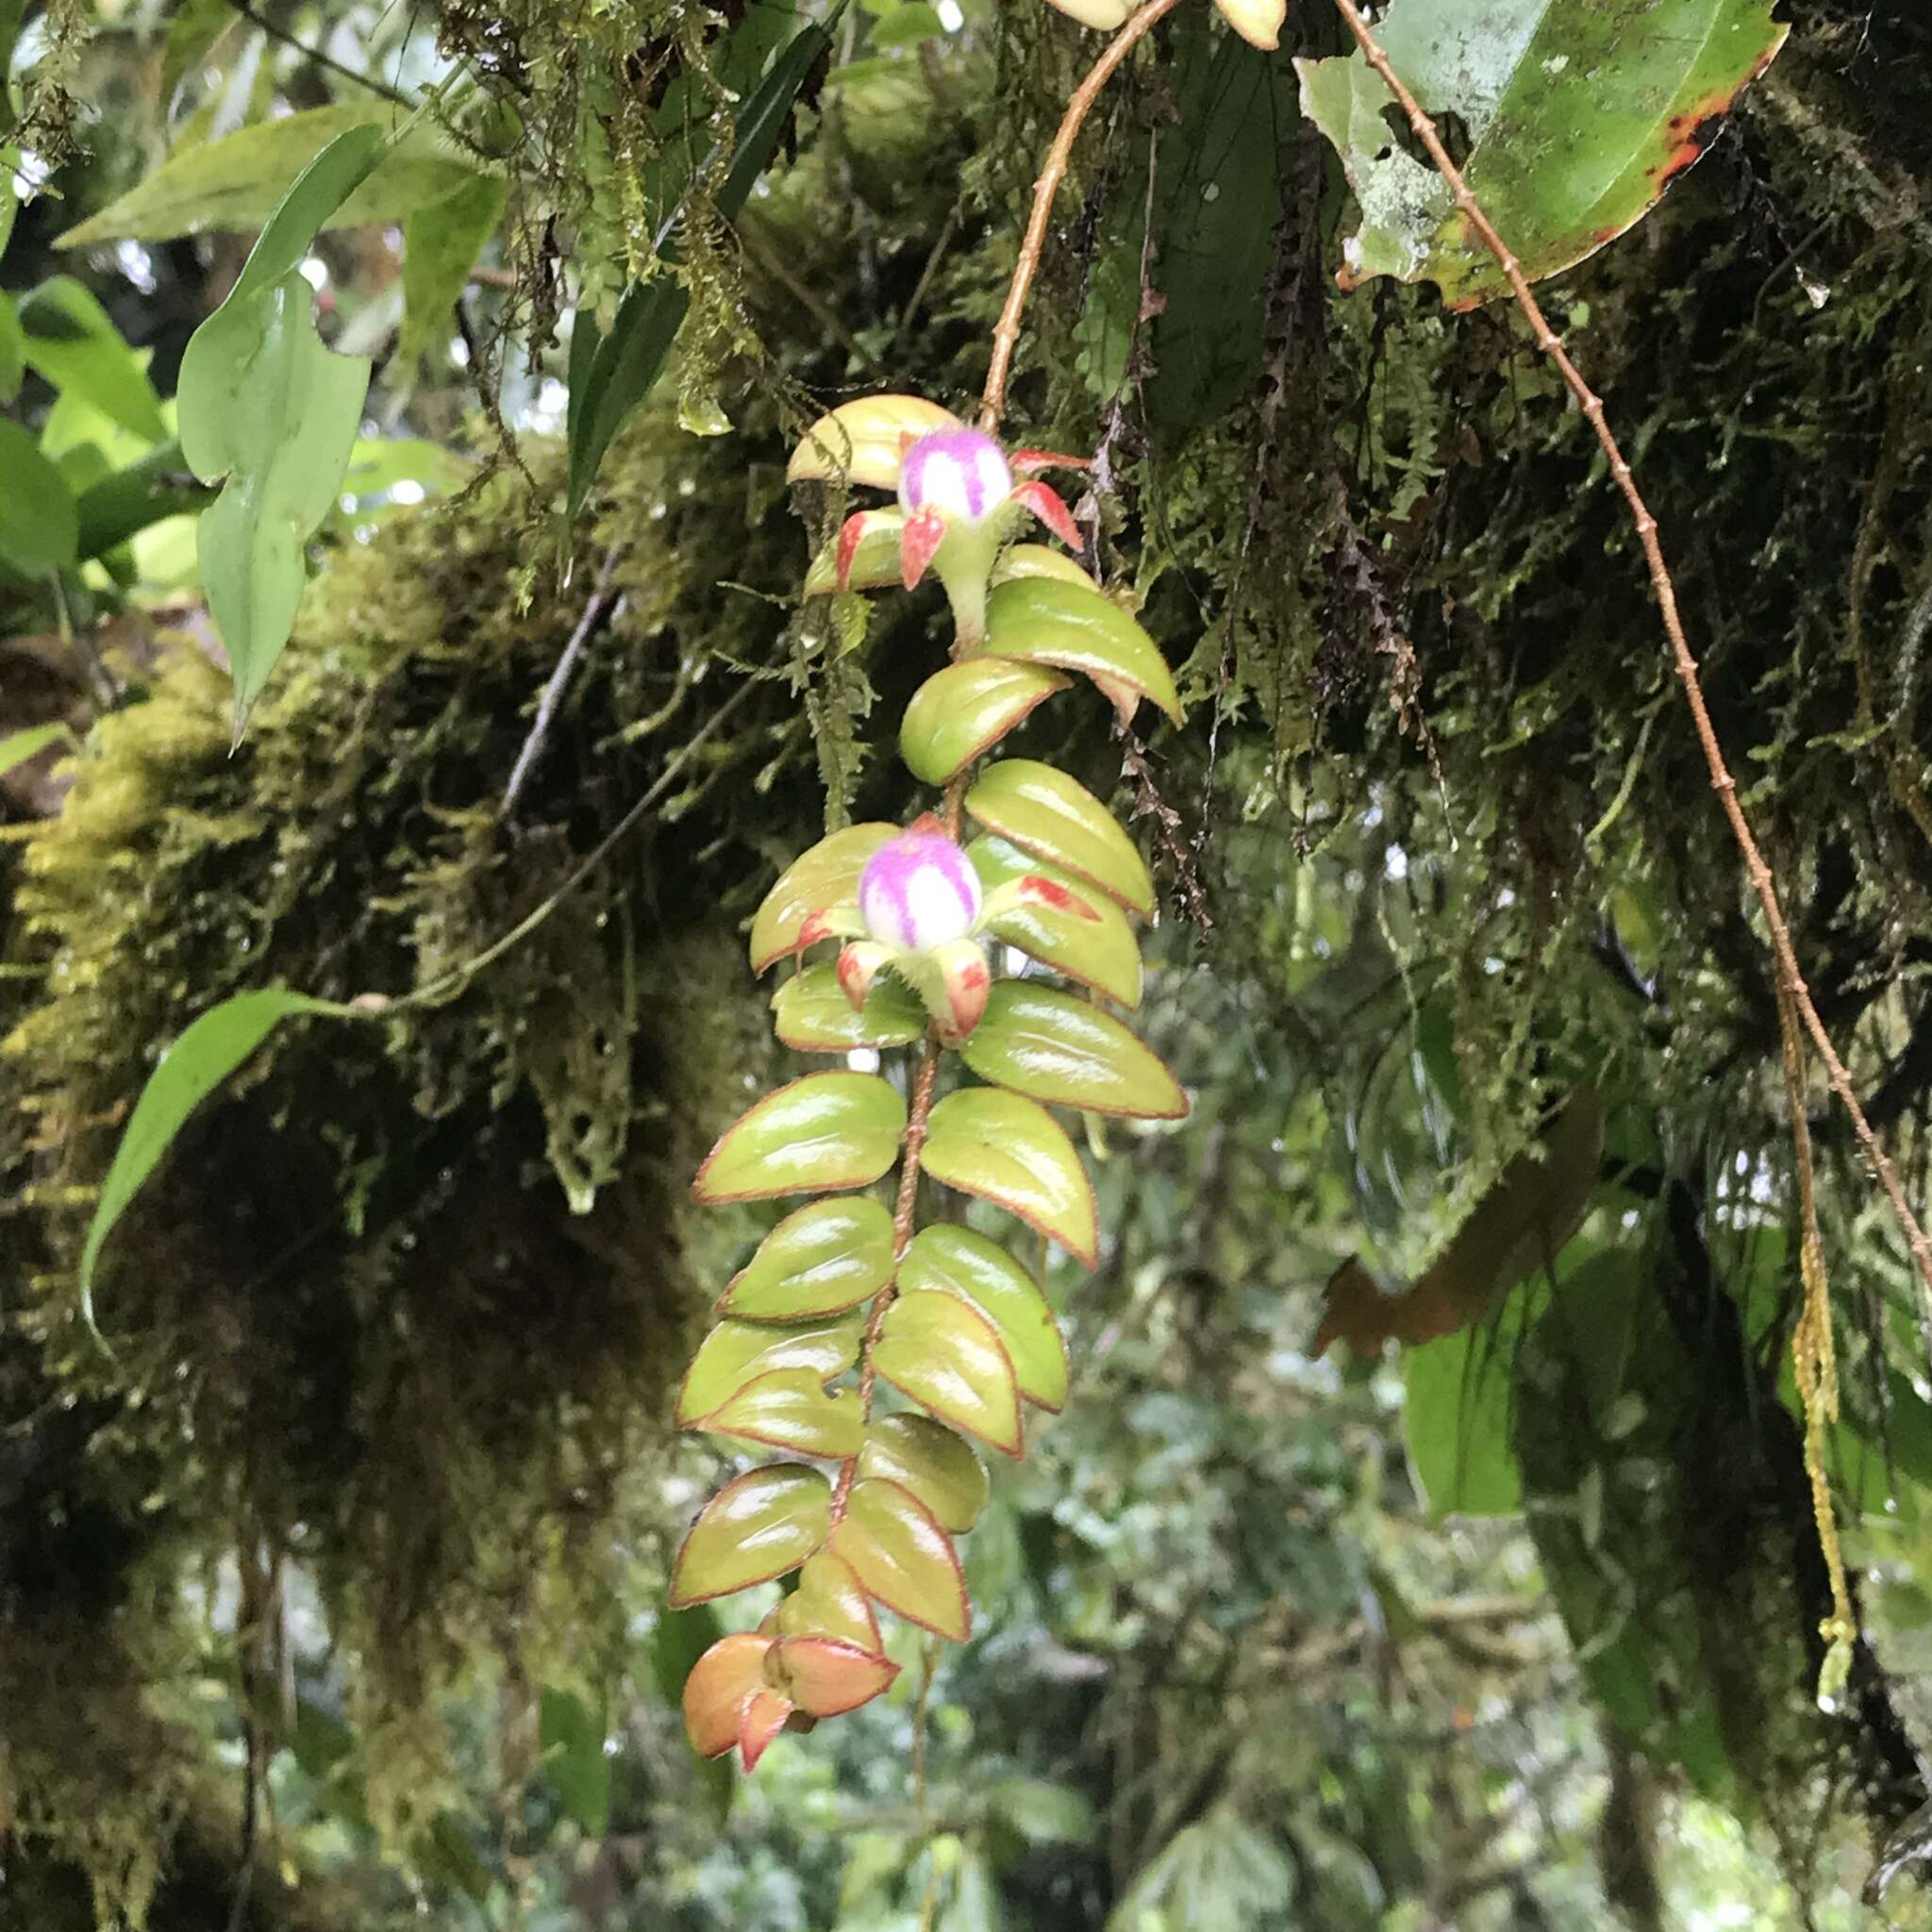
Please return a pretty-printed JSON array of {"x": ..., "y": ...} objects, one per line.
[
  {"x": 1783, "y": 951},
  {"x": 320, "y": 56},
  {"x": 1006, "y": 335}
]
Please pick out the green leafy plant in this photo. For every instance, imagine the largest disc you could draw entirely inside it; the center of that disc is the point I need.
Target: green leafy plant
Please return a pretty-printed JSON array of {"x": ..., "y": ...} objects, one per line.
[{"x": 873, "y": 1348}]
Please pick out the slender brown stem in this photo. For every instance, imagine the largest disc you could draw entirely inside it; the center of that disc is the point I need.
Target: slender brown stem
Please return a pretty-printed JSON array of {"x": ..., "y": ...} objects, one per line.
[
  {"x": 1006, "y": 335},
  {"x": 1783, "y": 951}
]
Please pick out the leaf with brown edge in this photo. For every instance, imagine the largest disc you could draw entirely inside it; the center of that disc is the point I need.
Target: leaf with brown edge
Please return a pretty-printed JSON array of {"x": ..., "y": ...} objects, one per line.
[
  {"x": 1042, "y": 619},
  {"x": 735, "y": 1353},
  {"x": 824, "y": 1133},
  {"x": 935, "y": 1464},
  {"x": 810, "y": 1013},
  {"x": 1046, "y": 813},
  {"x": 721, "y": 1685},
  {"x": 948, "y": 1357},
  {"x": 961, "y": 712},
  {"x": 767, "y": 1521},
  {"x": 1045, "y": 1043},
  {"x": 829, "y": 1602},
  {"x": 1087, "y": 939},
  {"x": 1536, "y": 1204},
  {"x": 1011, "y": 1152},
  {"x": 902, "y": 1557},
  {"x": 826, "y": 1677},
  {"x": 822, "y": 876},
  {"x": 957, "y": 1261},
  {"x": 860, "y": 441},
  {"x": 790, "y": 1409},
  {"x": 819, "y": 1261}
]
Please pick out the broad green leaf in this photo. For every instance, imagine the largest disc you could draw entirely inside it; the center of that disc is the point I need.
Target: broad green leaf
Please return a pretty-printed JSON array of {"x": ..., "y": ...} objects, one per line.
[
  {"x": 961, "y": 712},
  {"x": 70, "y": 341},
  {"x": 824, "y": 876},
  {"x": 960, "y": 1261},
  {"x": 897, "y": 1550},
  {"x": 829, "y": 1602},
  {"x": 821, "y": 1260},
  {"x": 792, "y": 1409},
  {"x": 238, "y": 181},
  {"x": 762, "y": 1526},
  {"x": 623, "y": 365},
  {"x": 934, "y": 1463},
  {"x": 811, "y": 1014},
  {"x": 1040, "y": 620},
  {"x": 1456, "y": 1415},
  {"x": 125, "y": 504},
  {"x": 947, "y": 1357},
  {"x": 12, "y": 350},
  {"x": 441, "y": 245},
  {"x": 263, "y": 404},
  {"x": 1100, "y": 953},
  {"x": 17, "y": 747},
  {"x": 39, "y": 530},
  {"x": 827, "y": 1131},
  {"x": 1578, "y": 117},
  {"x": 827, "y": 1676},
  {"x": 1009, "y": 1151},
  {"x": 205, "y": 1055},
  {"x": 570, "y": 1735},
  {"x": 1056, "y": 1047},
  {"x": 735, "y": 1353},
  {"x": 1046, "y": 813}
]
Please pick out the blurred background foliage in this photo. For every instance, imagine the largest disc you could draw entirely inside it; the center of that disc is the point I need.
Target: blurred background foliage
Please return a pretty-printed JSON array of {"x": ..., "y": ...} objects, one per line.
[{"x": 334, "y": 1596}]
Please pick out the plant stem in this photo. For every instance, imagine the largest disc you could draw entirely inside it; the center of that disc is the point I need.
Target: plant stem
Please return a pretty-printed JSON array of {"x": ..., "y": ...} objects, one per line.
[
  {"x": 1783, "y": 951},
  {"x": 1006, "y": 335}
]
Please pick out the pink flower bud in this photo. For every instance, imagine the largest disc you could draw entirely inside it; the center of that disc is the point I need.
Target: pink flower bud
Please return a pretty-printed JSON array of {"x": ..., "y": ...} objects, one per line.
[
  {"x": 960, "y": 473},
  {"x": 919, "y": 890}
]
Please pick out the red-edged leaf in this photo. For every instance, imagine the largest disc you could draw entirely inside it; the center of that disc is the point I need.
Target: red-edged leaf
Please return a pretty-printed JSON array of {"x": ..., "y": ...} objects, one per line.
[
  {"x": 825, "y": 1677},
  {"x": 765, "y": 1715},
  {"x": 824, "y": 876},
  {"x": 961, "y": 712},
  {"x": 722, "y": 1683},
  {"x": 821, "y": 1134},
  {"x": 762, "y": 1526},
  {"x": 819, "y": 1260},
  {"x": 1065, "y": 1051},
  {"x": 860, "y": 441},
  {"x": 1044, "y": 811},
  {"x": 1074, "y": 626},
  {"x": 1087, "y": 939},
  {"x": 792, "y": 1409},
  {"x": 903, "y": 1558},
  {"x": 934, "y": 1463},
  {"x": 1011, "y": 1152},
  {"x": 958, "y": 1261},
  {"x": 737, "y": 1353},
  {"x": 829, "y": 1602},
  {"x": 810, "y": 1013},
  {"x": 947, "y": 1357}
]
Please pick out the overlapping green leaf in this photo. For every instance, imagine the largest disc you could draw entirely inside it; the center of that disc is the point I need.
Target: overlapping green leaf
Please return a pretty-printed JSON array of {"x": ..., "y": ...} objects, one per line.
[
  {"x": 934, "y": 1463},
  {"x": 1040, "y": 620},
  {"x": 957, "y": 1261},
  {"x": 811, "y": 1014},
  {"x": 792, "y": 1409},
  {"x": 823, "y": 876},
  {"x": 827, "y": 1131},
  {"x": 762, "y": 1526},
  {"x": 1099, "y": 951},
  {"x": 897, "y": 1550},
  {"x": 1047, "y": 813},
  {"x": 1053, "y": 1047},
  {"x": 947, "y": 1357},
  {"x": 961, "y": 712},
  {"x": 821, "y": 1260},
  {"x": 67, "y": 337},
  {"x": 737, "y": 1353},
  {"x": 829, "y": 1602},
  {"x": 1011, "y": 1151}
]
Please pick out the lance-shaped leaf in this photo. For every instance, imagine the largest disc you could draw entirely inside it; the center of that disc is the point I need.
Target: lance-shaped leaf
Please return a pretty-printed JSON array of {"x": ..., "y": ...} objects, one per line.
[
  {"x": 1055, "y": 1047},
  {"x": 1040, "y": 620},
  {"x": 955, "y": 1261},
  {"x": 762, "y": 1526},
  {"x": 735, "y": 1353},
  {"x": 829, "y": 1602},
  {"x": 1011, "y": 1151},
  {"x": 931, "y": 1460},
  {"x": 821, "y": 1260},
  {"x": 961, "y": 712},
  {"x": 947, "y": 1357},
  {"x": 439, "y": 247},
  {"x": 825, "y": 1677},
  {"x": 860, "y": 441},
  {"x": 1086, "y": 938},
  {"x": 722, "y": 1684},
  {"x": 810, "y": 1013},
  {"x": 1578, "y": 115},
  {"x": 827, "y": 1131},
  {"x": 266, "y": 406},
  {"x": 824, "y": 876},
  {"x": 897, "y": 1550},
  {"x": 68, "y": 337},
  {"x": 1046, "y": 813},
  {"x": 792, "y": 1408}
]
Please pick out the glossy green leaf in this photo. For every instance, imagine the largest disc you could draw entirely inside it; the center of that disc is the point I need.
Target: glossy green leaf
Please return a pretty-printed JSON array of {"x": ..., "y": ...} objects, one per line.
[
  {"x": 821, "y": 1260},
  {"x": 948, "y": 1357},
  {"x": 1056, "y": 1047},
  {"x": 263, "y": 404},
  {"x": 68, "y": 337},
  {"x": 934, "y": 1463},
  {"x": 957, "y": 1260},
  {"x": 811, "y": 1014},
  {"x": 829, "y": 1602},
  {"x": 39, "y": 530},
  {"x": 1023, "y": 560},
  {"x": 1040, "y": 620},
  {"x": 1101, "y": 953},
  {"x": 237, "y": 181},
  {"x": 12, "y": 350},
  {"x": 1011, "y": 1151},
  {"x": 1577, "y": 118},
  {"x": 205, "y": 1055},
  {"x": 897, "y": 1550},
  {"x": 737, "y": 1353},
  {"x": 621, "y": 366},
  {"x": 792, "y": 1409},
  {"x": 961, "y": 712},
  {"x": 827, "y": 1131},
  {"x": 822, "y": 876},
  {"x": 862, "y": 440},
  {"x": 762, "y": 1526},
  {"x": 824, "y": 1675},
  {"x": 441, "y": 245},
  {"x": 1044, "y": 812}
]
